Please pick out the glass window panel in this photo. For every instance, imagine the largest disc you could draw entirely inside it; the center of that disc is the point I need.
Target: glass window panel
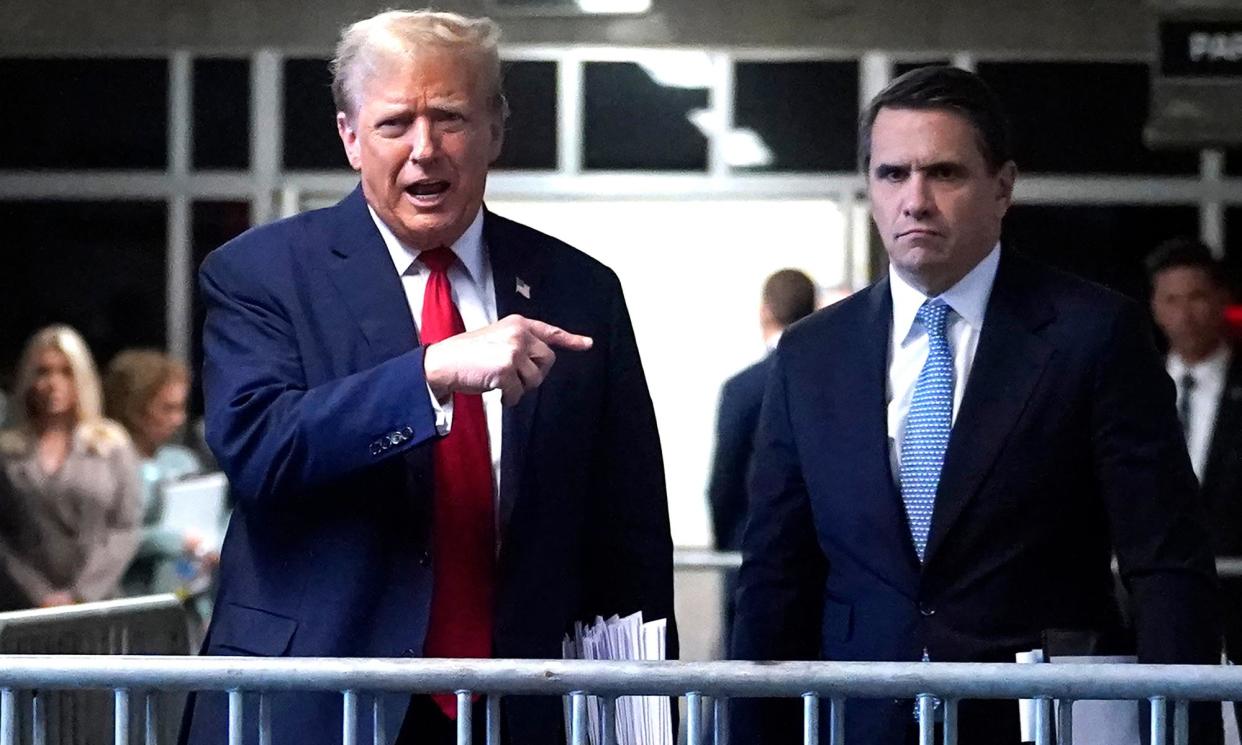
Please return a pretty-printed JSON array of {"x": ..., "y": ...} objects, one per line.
[
  {"x": 311, "y": 142},
  {"x": 794, "y": 116},
  {"x": 221, "y": 113},
  {"x": 84, "y": 113},
  {"x": 634, "y": 122},
  {"x": 1233, "y": 161},
  {"x": 97, "y": 266},
  {"x": 530, "y": 133},
  {"x": 1105, "y": 244},
  {"x": 1233, "y": 250},
  {"x": 1072, "y": 117}
]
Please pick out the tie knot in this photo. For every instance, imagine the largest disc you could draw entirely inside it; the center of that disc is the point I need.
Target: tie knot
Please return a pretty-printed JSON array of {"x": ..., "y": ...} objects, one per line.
[
  {"x": 438, "y": 259},
  {"x": 934, "y": 315}
]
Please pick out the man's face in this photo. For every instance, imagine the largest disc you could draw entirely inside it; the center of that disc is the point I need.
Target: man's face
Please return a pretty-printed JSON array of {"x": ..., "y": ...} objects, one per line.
[
  {"x": 423, "y": 138},
  {"x": 1189, "y": 308},
  {"x": 935, "y": 202}
]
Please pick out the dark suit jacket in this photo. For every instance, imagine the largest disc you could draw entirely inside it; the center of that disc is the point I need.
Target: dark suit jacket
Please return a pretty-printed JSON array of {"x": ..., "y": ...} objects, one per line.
[
  {"x": 1222, "y": 494},
  {"x": 1065, "y": 448},
  {"x": 317, "y": 410},
  {"x": 737, "y": 418}
]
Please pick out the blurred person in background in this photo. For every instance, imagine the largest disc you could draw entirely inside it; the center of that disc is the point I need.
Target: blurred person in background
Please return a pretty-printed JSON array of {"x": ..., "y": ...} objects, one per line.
[
  {"x": 70, "y": 498},
  {"x": 788, "y": 295},
  {"x": 146, "y": 391},
  {"x": 1188, "y": 299}
]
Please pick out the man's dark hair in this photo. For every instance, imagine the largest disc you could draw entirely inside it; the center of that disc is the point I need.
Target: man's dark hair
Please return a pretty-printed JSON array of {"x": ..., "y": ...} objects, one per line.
[
  {"x": 1184, "y": 251},
  {"x": 947, "y": 89},
  {"x": 789, "y": 295}
]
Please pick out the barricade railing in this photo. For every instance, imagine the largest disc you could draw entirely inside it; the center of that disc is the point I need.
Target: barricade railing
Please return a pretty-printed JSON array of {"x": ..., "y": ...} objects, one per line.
[
  {"x": 719, "y": 561},
  {"x": 1167, "y": 688}
]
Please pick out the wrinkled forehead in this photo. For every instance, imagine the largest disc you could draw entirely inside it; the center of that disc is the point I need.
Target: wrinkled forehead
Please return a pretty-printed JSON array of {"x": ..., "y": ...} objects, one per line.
[
  {"x": 922, "y": 136},
  {"x": 426, "y": 65}
]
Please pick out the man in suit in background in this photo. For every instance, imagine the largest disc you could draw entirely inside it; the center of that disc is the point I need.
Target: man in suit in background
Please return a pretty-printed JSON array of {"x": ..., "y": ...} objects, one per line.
[
  {"x": 427, "y": 463},
  {"x": 1188, "y": 299},
  {"x": 788, "y": 296},
  {"x": 943, "y": 457}
]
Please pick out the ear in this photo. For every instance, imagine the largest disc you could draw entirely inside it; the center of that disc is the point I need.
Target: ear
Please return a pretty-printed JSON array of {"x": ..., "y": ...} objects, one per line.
[
  {"x": 1006, "y": 175},
  {"x": 350, "y": 141}
]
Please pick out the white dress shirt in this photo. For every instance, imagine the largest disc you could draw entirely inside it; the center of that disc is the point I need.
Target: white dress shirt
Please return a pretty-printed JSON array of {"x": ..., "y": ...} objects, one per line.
[
  {"x": 1209, "y": 384},
  {"x": 908, "y": 349},
  {"x": 474, "y": 294}
]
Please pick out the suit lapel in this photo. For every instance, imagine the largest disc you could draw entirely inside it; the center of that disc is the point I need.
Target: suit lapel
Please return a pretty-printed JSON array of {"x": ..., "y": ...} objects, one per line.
[
  {"x": 1008, "y": 363},
  {"x": 516, "y": 274},
  {"x": 362, "y": 271}
]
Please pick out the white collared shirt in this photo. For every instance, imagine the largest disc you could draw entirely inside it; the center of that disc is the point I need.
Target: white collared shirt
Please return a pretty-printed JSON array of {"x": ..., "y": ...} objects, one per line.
[
  {"x": 1209, "y": 384},
  {"x": 908, "y": 348},
  {"x": 474, "y": 294}
]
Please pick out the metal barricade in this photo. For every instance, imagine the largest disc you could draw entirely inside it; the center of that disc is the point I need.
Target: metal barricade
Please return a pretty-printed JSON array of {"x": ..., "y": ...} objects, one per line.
[
  {"x": 1168, "y": 688},
  {"x": 155, "y": 625}
]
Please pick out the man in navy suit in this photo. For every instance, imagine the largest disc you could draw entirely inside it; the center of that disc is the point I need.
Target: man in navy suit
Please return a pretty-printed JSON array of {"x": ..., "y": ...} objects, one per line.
[
  {"x": 788, "y": 296},
  {"x": 947, "y": 460},
  {"x": 434, "y": 419}
]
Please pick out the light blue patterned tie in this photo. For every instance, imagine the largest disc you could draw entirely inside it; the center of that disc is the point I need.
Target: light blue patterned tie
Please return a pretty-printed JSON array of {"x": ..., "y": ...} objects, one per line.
[{"x": 927, "y": 425}]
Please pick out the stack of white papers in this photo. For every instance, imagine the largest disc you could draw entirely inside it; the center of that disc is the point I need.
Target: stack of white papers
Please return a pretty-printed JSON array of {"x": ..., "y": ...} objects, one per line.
[{"x": 640, "y": 720}]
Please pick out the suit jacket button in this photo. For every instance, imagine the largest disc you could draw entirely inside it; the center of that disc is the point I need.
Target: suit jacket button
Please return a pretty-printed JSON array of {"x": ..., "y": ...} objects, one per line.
[{"x": 926, "y": 609}]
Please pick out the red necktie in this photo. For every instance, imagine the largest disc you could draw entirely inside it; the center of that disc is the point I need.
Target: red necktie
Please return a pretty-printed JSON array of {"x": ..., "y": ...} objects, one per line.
[{"x": 463, "y": 536}]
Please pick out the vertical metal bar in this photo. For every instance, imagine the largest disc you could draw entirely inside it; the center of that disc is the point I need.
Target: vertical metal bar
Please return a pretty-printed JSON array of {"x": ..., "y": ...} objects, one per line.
[
  {"x": 1043, "y": 721},
  {"x": 720, "y": 110},
  {"x": 349, "y": 718},
  {"x": 178, "y": 280},
  {"x": 927, "y": 719},
  {"x": 465, "y": 727},
  {"x": 720, "y": 721},
  {"x": 1212, "y": 211},
  {"x": 950, "y": 721},
  {"x": 1159, "y": 720},
  {"x": 38, "y": 724},
  {"x": 266, "y": 130},
  {"x": 1065, "y": 722},
  {"x": 1181, "y": 722},
  {"x": 609, "y": 711},
  {"x": 120, "y": 716},
  {"x": 235, "y": 717},
  {"x": 378, "y": 735},
  {"x": 810, "y": 719},
  {"x": 8, "y": 717},
  {"x": 265, "y": 719},
  {"x": 694, "y": 718},
  {"x": 569, "y": 108},
  {"x": 493, "y": 719},
  {"x": 578, "y": 719},
  {"x": 836, "y": 727},
  {"x": 150, "y": 718}
]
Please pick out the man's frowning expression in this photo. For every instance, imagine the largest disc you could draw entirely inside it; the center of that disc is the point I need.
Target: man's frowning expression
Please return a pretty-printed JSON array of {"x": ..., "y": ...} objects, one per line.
[
  {"x": 936, "y": 202},
  {"x": 424, "y": 134}
]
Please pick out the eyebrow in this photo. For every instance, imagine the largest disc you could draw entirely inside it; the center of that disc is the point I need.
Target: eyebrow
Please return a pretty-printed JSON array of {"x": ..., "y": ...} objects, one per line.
[{"x": 939, "y": 165}]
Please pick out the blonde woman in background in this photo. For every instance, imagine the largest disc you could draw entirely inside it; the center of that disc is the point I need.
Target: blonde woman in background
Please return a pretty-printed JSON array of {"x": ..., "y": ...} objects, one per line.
[
  {"x": 70, "y": 499},
  {"x": 146, "y": 391}
]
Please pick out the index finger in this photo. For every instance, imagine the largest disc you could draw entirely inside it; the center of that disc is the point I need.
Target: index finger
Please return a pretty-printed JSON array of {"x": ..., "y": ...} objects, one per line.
[{"x": 554, "y": 336}]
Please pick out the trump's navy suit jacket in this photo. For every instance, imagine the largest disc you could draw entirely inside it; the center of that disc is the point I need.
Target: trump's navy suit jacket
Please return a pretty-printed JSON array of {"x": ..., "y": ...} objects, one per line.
[
  {"x": 1066, "y": 447},
  {"x": 318, "y": 412}
]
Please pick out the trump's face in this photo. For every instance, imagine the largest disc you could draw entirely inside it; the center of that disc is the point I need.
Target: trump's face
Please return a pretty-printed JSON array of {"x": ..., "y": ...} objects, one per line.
[
  {"x": 936, "y": 203},
  {"x": 423, "y": 138}
]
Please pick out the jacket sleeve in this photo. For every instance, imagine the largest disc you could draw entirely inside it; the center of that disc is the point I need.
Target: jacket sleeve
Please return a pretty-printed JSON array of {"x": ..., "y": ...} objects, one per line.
[
  {"x": 780, "y": 584},
  {"x": 274, "y": 435},
  {"x": 1157, "y": 521},
  {"x": 633, "y": 501},
  {"x": 726, "y": 489}
]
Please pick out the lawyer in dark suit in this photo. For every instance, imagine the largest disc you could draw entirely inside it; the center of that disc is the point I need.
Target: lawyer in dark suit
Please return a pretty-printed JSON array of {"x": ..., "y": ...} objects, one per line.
[
  {"x": 896, "y": 518},
  {"x": 332, "y": 420},
  {"x": 1188, "y": 300},
  {"x": 788, "y": 296}
]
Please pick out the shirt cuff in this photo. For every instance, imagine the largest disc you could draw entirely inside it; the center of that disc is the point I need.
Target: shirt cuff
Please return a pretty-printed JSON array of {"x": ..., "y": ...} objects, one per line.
[{"x": 443, "y": 411}]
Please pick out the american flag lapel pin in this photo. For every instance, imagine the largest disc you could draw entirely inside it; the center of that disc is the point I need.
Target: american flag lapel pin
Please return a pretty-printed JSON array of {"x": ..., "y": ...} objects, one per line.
[{"x": 522, "y": 288}]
